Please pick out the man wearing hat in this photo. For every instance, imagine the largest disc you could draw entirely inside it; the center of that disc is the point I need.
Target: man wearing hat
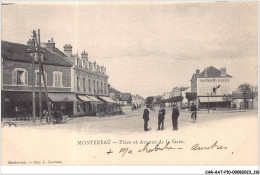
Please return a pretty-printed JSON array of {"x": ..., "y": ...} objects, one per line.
[
  {"x": 146, "y": 118},
  {"x": 175, "y": 115},
  {"x": 161, "y": 117}
]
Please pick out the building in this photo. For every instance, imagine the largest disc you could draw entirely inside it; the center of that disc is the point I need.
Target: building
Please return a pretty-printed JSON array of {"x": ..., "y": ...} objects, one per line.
[
  {"x": 17, "y": 79},
  {"x": 138, "y": 101},
  {"x": 166, "y": 96},
  {"x": 180, "y": 91},
  {"x": 238, "y": 101},
  {"x": 125, "y": 99},
  {"x": 114, "y": 94},
  {"x": 89, "y": 82},
  {"x": 213, "y": 87},
  {"x": 75, "y": 85}
]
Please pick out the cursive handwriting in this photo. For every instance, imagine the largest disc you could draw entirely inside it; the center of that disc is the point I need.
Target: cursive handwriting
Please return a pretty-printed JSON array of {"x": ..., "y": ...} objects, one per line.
[
  {"x": 156, "y": 148},
  {"x": 147, "y": 149},
  {"x": 215, "y": 145}
]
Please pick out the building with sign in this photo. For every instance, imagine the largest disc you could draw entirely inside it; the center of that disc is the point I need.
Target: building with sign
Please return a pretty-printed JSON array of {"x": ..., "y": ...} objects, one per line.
[{"x": 213, "y": 87}]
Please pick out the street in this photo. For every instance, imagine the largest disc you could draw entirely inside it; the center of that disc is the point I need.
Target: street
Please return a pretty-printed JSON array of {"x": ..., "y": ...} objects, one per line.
[
  {"x": 133, "y": 121},
  {"x": 235, "y": 130}
]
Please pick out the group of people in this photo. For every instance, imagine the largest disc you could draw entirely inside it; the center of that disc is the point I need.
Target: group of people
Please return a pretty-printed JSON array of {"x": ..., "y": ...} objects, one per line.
[{"x": 161, "y": 116}]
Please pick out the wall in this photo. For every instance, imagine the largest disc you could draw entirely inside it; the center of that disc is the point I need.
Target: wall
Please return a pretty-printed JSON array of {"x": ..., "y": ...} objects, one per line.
[
  {"x": 205, "y": 86},
  {"x": 8, "y": 66}
]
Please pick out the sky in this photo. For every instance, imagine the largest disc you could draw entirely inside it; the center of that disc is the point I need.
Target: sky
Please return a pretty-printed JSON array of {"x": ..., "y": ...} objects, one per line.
[{"x": 147, "y": 48}]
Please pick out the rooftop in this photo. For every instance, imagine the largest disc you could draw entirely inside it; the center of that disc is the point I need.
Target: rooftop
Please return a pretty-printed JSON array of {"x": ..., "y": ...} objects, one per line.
[{"x": 18, "y": 52}]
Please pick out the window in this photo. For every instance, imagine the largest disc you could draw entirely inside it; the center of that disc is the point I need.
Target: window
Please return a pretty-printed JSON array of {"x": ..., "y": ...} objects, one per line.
[
  {"x": 37, "y": 78},
  {"x": 57, "y": 79},
  {"x": 77, "y": 62},
  {"x": 105, "y": 88},
  {"x": 84, "y": 84},
  {"x": 89, "y": 85},
  {"x": 78, "y": 84},
  {"x": 98, "y": 87},
  {"x": 19, "y": 76},
  {"x": 94, "y": 84},
  {"x": 101, "y": 84},
  {"x": 86, "y": 65}
]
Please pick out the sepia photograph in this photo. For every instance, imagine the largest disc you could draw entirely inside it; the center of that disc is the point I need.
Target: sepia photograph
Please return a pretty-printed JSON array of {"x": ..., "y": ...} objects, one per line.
[{"x": 130, "y": 83}]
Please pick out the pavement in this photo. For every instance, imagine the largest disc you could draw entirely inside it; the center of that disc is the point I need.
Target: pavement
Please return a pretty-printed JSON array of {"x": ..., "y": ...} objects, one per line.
[
  {"x": 238, "y": 132},
  {"x": 133, "y": 121}
]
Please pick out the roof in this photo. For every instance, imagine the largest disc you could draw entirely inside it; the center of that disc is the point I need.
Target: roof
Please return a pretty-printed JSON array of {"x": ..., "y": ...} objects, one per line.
[
  {"x": 125, "y": 96},
  {"x": 113, "y": 90},
  {"x": 212, "y": 72},
  {"x": 18, "y": 52}
]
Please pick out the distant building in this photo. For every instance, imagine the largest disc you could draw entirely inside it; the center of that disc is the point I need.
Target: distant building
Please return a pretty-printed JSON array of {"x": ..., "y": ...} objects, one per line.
[
  {"x": 178, "y": 91},
  {"x": 213, "y": 87},
  {"x": 137, "y": 100},
  {"x": 114, "y": 94},
  {"x": 239, "y": 103},
  {"x": 125, "y": 99}
]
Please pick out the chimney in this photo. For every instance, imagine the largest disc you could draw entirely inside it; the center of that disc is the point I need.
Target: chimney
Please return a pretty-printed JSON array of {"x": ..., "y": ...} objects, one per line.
[
  {"x": 206, "y": 72},
  {"x": 68, "y": 49},
  {"x": 51, "y": 45},
  {"x": 197, "y": 71},
  {"x": 223, "y": 71},
  {"x": 30, "y": 45},
  {"x": 84, "y": 55}
]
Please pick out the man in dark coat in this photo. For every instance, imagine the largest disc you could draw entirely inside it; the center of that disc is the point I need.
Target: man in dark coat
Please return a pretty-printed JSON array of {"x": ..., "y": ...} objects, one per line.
[
  {"x": 175, "y": 115},
  {"x": 146, "y": 118},
  {"x": 161, "y": 117},
  {"x": 193, "y": 111}
]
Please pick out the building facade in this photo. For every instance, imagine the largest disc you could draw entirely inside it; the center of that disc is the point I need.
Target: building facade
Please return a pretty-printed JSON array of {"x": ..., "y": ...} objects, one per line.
[
  {"x": 89, "y": 82},
  {"x": 213, "y": 87},
  {"x": 75, "y": 85},
  {"x": 17, "y": 79}
]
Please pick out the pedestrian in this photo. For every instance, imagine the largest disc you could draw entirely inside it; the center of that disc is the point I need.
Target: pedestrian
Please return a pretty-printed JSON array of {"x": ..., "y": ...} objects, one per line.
[
  {"x": 146, "y": 118},
  {"x": 175, "y": 115},
  {"x": 193, "y": 111},
  {"x": 161, "y": 117}
]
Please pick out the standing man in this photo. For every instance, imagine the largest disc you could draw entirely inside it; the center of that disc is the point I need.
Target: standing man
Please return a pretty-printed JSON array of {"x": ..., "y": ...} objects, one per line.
[
  {"x": 161, "y": 117},
  {"x": 193, "y": 111},
  {"x": 146, "y": 118},
  {"x": 175, "y": 115}
]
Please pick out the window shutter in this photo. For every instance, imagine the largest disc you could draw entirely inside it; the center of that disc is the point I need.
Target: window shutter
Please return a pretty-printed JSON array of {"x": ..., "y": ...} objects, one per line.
[
  {"x": 14, "y": 77},
  {"x": 26, "y": 77},
  {"x": 61, "y": 84},
  {"x": 36, "y": 79}
]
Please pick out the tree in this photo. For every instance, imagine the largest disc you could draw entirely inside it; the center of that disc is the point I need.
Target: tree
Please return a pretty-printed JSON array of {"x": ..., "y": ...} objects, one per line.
[
  {"x": 149, "y": 100},
  {"x": 254, "y": 93},
  {"x": 246, "y": 90},
  {"x": 190, "y": 96}
]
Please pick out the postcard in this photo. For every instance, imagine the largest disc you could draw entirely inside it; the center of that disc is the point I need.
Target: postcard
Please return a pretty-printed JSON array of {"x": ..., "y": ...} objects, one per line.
[{"x": 129, "y": 83}]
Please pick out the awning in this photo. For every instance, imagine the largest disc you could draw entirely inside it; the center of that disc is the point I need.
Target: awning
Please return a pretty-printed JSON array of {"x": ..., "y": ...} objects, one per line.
[
  {"x": 94, "y": 99},
  {"x": 107, "y": 99},
  {"x": 11, "y": 96},
  {"x": 211, "y": 99},
  {"x": 84, "y": 98},
  {"x": 62, "y": 97}
]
